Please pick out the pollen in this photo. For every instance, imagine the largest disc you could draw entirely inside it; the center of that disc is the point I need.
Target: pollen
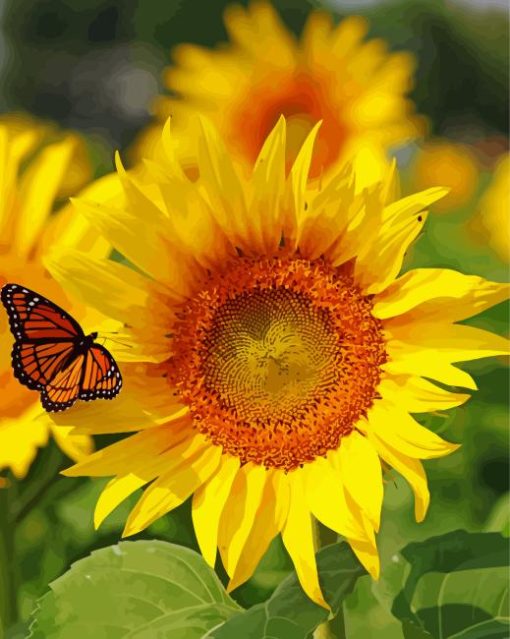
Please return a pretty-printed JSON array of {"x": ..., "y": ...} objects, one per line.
[{"x": 277, "y": 359}]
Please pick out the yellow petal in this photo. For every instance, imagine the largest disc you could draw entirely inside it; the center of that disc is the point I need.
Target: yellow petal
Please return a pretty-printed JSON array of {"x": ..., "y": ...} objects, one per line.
[
  {"x": 402, "y": 222},
  {"x": 155, "y": 256},
  {"x": 239, "y": 513},
  {"x": 138, "y": 452},
  {"x": 456, "y": 342},
  {"x": 298, "y": 179},
  {"x": 115, "y": 492},
  {"x": 362, "y": 475},
  {"x": 298, "y": 538},
  {"x": 411, "y": 469},
  {"x": 406, "y": 359},
  {"x": 70, "y": 230},
  {"x": 366, "y": 552},
  {"x": 40, "y": 185},
  {"x": 403, "y": 433},
  {"x": 326, "y": 500},
  {"x": 268, "y": 182},
  {"x": 418, "y": 395},
  {"x": 433, "y": 292},
  {"x": 268, "y": 523},
  {"x": 208, "y": 503},
  {"x": 172, "y": 489},
  {"x": 113, "y": 289},
  {"x": 74, "y": 446},
  {"x": 260, "y": 32},
  {"x": 13, "y": 150},
  {"x": 222, "y": 186},
  {"x": 19, "y": 440}
]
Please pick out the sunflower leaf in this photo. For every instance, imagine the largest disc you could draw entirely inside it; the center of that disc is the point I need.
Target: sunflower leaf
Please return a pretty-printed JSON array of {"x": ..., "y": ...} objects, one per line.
[
  {"x": 288, "y": 613},
  {"x": 454, "y": 586},
  {"x": 140, "y": 590}
]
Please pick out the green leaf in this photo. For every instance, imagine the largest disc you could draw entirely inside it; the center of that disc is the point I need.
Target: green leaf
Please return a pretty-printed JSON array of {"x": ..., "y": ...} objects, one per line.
[
  {"x": 288, "y": 613},
  {"x": 455, "y": 586},
  {"x": 136, "y": 589}
]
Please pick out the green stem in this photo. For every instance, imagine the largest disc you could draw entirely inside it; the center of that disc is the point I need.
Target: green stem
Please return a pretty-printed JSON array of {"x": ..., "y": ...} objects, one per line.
[
  {"x": 334, "y": 627},
  {"x": 8, "y": 604}
]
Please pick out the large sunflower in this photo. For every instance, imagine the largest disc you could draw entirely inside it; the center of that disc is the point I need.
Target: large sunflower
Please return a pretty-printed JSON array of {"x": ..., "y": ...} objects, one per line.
[
  {"x": 31, "y": 176},
  {"x": 279, "y": 352},
  {"x": 331, "y": 74}
]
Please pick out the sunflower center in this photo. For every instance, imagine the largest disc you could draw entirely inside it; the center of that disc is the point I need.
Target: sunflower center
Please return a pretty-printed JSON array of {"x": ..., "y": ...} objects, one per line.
[{"x": 277, "y": 359}]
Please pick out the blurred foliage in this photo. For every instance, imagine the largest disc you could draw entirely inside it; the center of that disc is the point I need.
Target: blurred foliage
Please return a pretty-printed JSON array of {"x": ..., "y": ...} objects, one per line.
[{"x": 52, "y": 51}]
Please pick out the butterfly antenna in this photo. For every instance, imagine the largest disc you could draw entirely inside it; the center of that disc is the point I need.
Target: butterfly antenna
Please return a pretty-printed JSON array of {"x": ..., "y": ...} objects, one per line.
[{"x": 115, "y": 341}]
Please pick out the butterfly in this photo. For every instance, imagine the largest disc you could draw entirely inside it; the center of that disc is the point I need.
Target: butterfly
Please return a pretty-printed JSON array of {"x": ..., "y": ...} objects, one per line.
[{"x": 53, "y": 355}]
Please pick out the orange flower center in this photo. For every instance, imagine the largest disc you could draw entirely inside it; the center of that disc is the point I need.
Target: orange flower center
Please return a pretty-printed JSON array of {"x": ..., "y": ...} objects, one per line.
[
  {"x": 277, "y": 359},
  {"x": 303, "y": 101}
]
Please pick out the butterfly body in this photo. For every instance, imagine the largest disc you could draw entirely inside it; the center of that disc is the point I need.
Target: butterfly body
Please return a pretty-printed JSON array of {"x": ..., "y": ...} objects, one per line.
[{"x": 52, "y": 354}]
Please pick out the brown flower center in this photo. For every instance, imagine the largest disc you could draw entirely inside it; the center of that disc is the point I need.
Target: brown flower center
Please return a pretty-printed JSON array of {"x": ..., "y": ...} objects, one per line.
[{"x": 277, "y": 359}]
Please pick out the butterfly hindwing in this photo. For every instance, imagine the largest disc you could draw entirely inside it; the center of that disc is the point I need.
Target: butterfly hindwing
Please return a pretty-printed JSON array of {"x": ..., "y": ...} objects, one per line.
[
  {"x": 33, "y": 317},
  {"x": 101, "y": 375},
  {"x": 64, "y": 388}
]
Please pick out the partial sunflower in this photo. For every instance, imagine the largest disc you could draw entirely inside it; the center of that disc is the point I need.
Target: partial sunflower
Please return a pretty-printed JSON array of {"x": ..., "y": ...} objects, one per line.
[
  {"x": 454, "y": 165},
  {"x": 280, "y": 355},
  {"x": 491, "y": 222},
  {"x": 355, "y": 87},
  {"x": 30, "y": 181}
]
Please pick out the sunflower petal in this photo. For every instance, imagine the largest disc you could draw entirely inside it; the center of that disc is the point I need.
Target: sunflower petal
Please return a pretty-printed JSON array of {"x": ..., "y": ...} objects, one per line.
[
  {"x": 268, "y": 181},
  {"x": 208, "y": 503},
  {"x": 144, "y": 447},
  {"x": 411, "y": 469},
  {"x": 128, "y": 293},
  {"x": 298, "y": 538},
  {"x": 402, "y": 222},
  {"x": 239, "y": 513},
  {"x": 418, "y": 395},
  {"x": 366, "y": 552},
  {"x": 362, "y": 475},
  {"x": 39, "y": 185},
  {"x": 435, "y": 292},
  {"x": 268, "y": 523},
  {"x": 326, "y": 500},
  {"x": 172, "y": 488},
  {"x": 399, "y": 430}
]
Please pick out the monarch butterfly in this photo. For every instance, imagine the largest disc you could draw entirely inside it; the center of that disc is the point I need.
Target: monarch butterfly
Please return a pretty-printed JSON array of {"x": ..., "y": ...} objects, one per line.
[{"x": 53, "y": 355}]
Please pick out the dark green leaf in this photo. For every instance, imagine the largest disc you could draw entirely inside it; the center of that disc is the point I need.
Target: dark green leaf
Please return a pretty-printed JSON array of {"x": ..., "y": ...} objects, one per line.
[
  {"x": 140, "y": 590},
  {"x": 288, "y": 613},
  {"x": 456, "y": 587}
]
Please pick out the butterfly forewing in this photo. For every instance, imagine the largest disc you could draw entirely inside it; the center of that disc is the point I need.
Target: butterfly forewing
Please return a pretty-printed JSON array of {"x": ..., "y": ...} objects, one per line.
[
  {"x": 35, "y": 318},
  {"x": 36, "y": 364}
]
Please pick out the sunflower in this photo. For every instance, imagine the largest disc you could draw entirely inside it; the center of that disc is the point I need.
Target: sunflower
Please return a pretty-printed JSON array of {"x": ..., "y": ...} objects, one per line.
[
  {"x": 279, "y": 353},
  {"x": 452, "y": 163},
  {"x": 31, "y": 175},
  {"x": 355, "y": 87},
  {"x": 489, "y": 225}
]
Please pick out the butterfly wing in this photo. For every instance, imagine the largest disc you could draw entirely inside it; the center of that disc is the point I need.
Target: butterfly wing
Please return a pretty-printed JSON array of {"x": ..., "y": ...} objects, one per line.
[
  {"x": 64, "y": 389},
  {"x": 36, "y": 364},
  {"x": 33, "y": 317},
  {"x": 101, "y": 375}
]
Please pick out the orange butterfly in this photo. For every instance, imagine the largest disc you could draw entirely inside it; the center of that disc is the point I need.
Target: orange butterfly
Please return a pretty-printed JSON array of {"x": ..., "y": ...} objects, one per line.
[{"x": 53, "y": 355}]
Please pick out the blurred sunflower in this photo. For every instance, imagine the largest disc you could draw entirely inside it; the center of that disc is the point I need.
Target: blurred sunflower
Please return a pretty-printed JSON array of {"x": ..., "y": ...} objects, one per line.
[
  {"x": 451, "y": 163},
  {"x": 356, "y": 88},
  {"x": 286, "y": 353},
  {"x": 491, "y": 222},
  {"x": 31, "y": 175}
]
